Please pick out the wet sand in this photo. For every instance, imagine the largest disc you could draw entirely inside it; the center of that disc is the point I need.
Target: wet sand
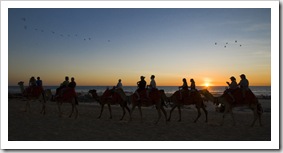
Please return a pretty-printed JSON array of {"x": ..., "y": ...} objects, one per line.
[{"x": 33, "y": 126}]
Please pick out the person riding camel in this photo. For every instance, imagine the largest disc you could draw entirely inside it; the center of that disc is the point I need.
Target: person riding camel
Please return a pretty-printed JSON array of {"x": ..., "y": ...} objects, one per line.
[
  {"x": 73, "y": 85},
  {"x": 232, "y": 87},
  {"x": 38, "y": 82},
  {"x": 152, "y": 86},
  {"x": 32, "y": 82},
  {"x": 183, "y": 88},
  {"x": 244, "y": 85},
  {"x": 141, "y": 87},
  {"x": 119, "y": 84},
  {"x": 63, "y": 85},
  {"x": 119, "y": 89},
  {"x": 193, "y": 86},
  {"x": 32, "y": 85}
]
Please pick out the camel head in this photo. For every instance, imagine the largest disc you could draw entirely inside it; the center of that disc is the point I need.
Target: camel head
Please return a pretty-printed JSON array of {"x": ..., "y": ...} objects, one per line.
[
  {"x": 94, "y": 94},
  {"x": 21, "y": 84},
  {"x": 207, "y": 95}
]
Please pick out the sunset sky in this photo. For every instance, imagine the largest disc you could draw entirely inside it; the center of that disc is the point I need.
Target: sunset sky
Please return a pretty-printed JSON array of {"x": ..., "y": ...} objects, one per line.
[{"x": 98, "y": 46}]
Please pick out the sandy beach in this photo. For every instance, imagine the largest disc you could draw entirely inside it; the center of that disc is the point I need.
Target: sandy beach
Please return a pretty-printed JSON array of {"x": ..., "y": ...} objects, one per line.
[{"x": 33, "y": 126}]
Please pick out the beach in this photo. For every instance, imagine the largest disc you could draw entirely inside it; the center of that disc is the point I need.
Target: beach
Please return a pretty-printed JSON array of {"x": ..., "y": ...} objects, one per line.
[{"x": 33, "y": 126}]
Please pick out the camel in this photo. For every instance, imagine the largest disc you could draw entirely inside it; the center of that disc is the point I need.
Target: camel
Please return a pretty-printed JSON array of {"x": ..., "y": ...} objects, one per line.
[
  {"x": 156, "y": 97},
  {"x": 68, "y": 96},
  {"x": 111, "y": 97},
  {"x": 33, "y": 93},
  {"x": 193, "y": 98},
  {"x": 250, "y": 100}
]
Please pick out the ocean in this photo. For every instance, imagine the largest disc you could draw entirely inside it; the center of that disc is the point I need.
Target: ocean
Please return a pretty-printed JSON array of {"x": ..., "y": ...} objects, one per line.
[{"x": 216, "y": 90}]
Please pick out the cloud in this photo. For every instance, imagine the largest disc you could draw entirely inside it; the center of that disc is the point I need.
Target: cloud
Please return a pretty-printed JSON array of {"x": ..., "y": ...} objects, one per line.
[{"x": 258, "y": 27}]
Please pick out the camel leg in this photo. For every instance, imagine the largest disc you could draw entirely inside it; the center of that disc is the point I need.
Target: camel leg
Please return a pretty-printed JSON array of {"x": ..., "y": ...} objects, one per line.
[
  {"x": 59, "y": 108},
  {"x": 124, "y": 112},
  {"x": 127, "y": 108},
  {"x": 259, "y": 111},
  {"x": 255, "y": 116},
  {"x": 131, "y": 112},
  {"x": 72, "y": 110},
  {"x": 159, "y": 114},
  {"x": 109, "y": 107},
  {"x": 199, "y": 114},
  {"x": 259, "y": 117},
  {"x": 77, "y": 111},
  {"x": 140, "y": 112},
  {"x": 227, "y": 108},
  {"x": 43, "y": 109},
  {"x": 101, "y": 110},
  {"x": 232, "y": 115},
  {"x": 43, "y": 105},
  {"x": 27, "y": 106},
  {"x": 205, "y": 112},
  {"x": 164, "y": 112},
  {"x": 172, "y": 109},
  {"x": 179, "y": 110}
]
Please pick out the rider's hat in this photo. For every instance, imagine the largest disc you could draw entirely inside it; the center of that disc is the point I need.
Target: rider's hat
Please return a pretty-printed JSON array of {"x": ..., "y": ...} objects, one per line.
[
  {"x": 232, "y": 78},
  {"x": 243, "y": 75},
  {"x": 142, "y": 77}
]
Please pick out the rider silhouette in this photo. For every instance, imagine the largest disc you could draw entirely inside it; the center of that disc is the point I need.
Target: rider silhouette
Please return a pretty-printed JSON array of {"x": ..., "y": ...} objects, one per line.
[
  {"x": 232, "y": 87},
  {"x": 183, "y": 88},
  {"x": 244, "y": 85},
  {"x": 119, "y": 89},
  {"x": 39, "y": 82},
  {"x": 63, "y": 85},
  {"x": 73, "y": 85},
  {"x": 151, "y": 86},
  {"x": 193, "y": 86},
  {"x": 141, "y": 86}
]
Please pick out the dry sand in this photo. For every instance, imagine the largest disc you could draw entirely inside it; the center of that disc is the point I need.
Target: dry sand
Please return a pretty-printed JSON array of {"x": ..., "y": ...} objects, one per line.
[{"x": 33, "y": 126}]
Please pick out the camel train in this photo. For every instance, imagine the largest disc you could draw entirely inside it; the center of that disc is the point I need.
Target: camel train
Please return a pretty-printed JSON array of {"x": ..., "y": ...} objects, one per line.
[
  {"x": 37, "y": 93},
  {"x": 156, "y": 98}
]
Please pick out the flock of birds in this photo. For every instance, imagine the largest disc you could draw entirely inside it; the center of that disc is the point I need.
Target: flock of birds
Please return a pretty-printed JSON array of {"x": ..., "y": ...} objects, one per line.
[
  {"x": 226, "y": 44},
  {"x": 24, "y": 19}
]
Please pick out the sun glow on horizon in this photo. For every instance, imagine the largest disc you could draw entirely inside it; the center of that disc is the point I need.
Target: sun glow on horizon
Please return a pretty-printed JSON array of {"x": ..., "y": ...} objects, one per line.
[{"x": 207, "y": 84}]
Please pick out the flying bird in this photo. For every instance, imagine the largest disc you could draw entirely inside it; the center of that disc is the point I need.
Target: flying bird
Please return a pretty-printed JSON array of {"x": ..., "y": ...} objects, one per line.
[
  {"x": 236, "y": 41},
  {"x": 24, "y": 19},
  {"x": 216, "y": 43}
]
